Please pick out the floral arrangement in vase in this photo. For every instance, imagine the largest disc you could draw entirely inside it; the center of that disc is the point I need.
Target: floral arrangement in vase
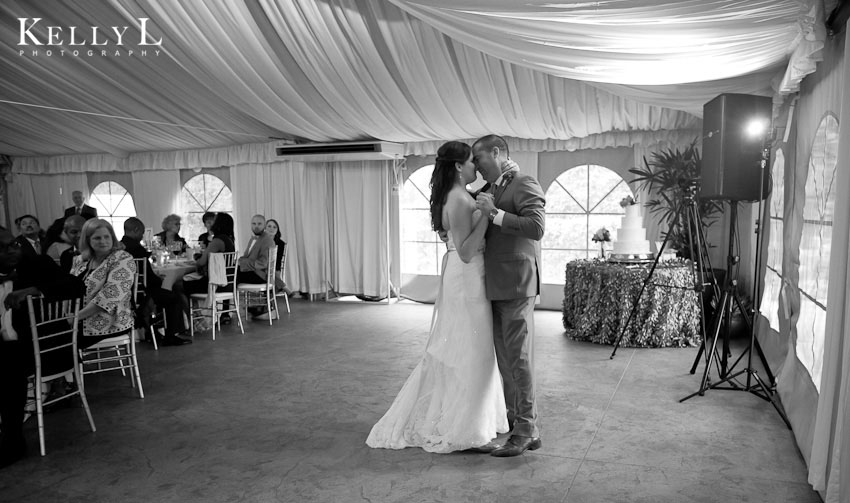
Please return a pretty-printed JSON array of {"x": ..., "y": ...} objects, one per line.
[{"x": 601, "y": 236}]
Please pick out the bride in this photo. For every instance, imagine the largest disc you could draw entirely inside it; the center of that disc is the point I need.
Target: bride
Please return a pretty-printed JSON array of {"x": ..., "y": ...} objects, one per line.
[{"x": 453, "y": 399}]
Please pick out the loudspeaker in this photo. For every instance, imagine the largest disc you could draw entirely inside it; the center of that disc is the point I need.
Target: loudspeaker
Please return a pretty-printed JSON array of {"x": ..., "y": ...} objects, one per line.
[{"x": 733, "y": 146}]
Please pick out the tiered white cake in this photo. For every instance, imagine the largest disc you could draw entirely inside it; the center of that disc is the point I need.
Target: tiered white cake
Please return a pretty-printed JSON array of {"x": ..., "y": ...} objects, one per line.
[{"x": 631, "y": 236}]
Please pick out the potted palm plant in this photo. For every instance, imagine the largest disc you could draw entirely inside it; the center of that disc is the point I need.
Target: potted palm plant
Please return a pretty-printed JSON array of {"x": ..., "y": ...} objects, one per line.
[{"x": 672, "y": 176}]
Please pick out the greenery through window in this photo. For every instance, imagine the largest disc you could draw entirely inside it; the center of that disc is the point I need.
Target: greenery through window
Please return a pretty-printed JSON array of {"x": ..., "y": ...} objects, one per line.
[
  {"x": 421, "y": 248},
  {"x": 113, "y": 204},
  {"x": 200, "y": 194},
  {"x": 580, "y": 201}
]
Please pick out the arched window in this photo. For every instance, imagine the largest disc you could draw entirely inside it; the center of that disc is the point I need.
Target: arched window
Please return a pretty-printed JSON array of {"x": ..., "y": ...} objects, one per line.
[
  {"x": 578, "y": 203},
  {"x": 421, "y": 248},
  {"x": 200, "y": 194},
  {"x": 773, "y": 277},
  {"x": 816, "y": 246},
  {"x": 113, "y": 204}
]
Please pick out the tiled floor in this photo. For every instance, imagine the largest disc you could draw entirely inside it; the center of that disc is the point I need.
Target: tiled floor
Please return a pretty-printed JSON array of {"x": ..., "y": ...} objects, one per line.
[{"x": 282, "y": 413}]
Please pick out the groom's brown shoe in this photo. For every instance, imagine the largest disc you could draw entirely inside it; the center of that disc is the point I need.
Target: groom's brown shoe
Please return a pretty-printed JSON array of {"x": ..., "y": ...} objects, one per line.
[{"x": 516, "y": 445}]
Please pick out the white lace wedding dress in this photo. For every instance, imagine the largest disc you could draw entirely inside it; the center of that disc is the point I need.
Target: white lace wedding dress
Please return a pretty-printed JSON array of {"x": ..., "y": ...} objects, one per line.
[{"x": 453, "y": 400}]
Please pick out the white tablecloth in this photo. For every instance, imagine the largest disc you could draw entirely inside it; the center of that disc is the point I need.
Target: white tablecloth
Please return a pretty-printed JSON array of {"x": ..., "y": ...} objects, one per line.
[{"x": 173, "y": 271}]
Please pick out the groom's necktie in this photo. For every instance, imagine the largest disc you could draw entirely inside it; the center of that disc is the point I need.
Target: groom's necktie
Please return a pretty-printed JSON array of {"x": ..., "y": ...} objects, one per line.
[{"x": 485, "y": 188}]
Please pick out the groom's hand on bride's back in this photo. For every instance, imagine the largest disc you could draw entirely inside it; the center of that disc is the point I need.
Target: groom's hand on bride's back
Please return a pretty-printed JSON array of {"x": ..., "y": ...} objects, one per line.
[{"x": 444, "y": 236}]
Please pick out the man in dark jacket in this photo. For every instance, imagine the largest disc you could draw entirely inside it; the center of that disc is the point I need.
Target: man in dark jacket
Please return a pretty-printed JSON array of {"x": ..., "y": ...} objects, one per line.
[
  {"x": 80, "y": 208},
  {"x": 21, "y": 276}
]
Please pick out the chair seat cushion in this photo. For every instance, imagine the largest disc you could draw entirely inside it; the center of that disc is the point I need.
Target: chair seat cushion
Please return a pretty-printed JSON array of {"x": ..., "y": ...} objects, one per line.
[
  {"x": 218, "y": 296},
  {"x": 254, "y": 287},
  {"x": 108, "y": 343}
]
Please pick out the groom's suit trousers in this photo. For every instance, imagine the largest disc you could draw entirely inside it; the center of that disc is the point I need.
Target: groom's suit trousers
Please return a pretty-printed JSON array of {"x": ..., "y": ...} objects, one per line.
[{"x": 513, "y": 337}]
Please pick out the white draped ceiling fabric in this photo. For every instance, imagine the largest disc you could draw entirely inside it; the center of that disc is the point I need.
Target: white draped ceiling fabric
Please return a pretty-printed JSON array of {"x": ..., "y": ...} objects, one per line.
[{"x": 329, "y": 70}]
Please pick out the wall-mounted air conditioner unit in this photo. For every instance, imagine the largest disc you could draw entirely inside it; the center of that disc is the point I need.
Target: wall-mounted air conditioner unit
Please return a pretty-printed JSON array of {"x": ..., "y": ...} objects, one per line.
[{"x": 348, "y": 151}]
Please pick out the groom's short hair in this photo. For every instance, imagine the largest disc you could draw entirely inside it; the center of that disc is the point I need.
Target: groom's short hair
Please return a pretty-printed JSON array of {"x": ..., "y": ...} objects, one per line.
[{"x": 493, "y": 140}]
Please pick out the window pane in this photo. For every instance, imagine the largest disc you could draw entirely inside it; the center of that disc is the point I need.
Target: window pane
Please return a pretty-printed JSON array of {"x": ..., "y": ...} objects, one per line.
[
  {"x": 815, "y": 246},
  {"x": 558, "y": 200},
  {"x": 555, "y": 263},
  {"x": 421, "y": 248},
  {"x": 565, "y": 232},
  {"x": 422, "y": 258},
  {"x": 222, "y": 203},
  {"x": 579, "y": 202},
  {"x": 200, "y": 194},
  {"x": 114, "y": 204},
  {"x": 416, "y": 226}
]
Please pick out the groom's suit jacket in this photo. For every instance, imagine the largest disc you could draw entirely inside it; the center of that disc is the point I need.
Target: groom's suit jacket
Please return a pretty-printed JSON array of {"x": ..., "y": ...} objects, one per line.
[{"x": 511, "y": 259}]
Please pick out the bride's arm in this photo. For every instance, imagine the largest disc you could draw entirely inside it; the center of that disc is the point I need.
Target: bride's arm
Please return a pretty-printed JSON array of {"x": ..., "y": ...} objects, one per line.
[{"x": 467, "y": 226}]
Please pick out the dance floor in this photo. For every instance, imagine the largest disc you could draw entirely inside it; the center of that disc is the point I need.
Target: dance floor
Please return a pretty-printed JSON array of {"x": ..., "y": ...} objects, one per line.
[{"x": 281, "y": 414}]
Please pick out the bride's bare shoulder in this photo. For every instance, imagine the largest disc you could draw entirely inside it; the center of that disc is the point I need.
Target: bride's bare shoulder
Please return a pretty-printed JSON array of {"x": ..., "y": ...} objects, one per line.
[{"x": 460, "y": 197}]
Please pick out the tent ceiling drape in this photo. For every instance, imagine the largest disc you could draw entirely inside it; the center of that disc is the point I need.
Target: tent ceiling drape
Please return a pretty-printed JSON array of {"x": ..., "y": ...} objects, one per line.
[{"x": 230, "y": 73}]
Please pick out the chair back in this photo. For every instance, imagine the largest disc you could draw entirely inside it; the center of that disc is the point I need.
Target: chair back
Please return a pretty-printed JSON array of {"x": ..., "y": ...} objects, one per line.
[
  {"x": 142, "y": 271},
  {"x": 282, "y": 272},
  {"x": 283, "y": 262},
  {"x": 53, "y": 326},
  {"x": 140, "y": 281},
  {"x": 231, "y": 267},
  {"x": 270, "y": 272}
]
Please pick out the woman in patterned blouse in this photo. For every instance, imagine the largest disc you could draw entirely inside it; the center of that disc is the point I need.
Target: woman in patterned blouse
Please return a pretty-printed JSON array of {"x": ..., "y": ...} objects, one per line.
[{"x": 108, "y": 273}]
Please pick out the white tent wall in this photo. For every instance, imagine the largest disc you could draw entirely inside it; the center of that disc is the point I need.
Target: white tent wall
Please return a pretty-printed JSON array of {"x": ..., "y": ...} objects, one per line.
[
  {"x": 361, "y": 244},
  {"x": 45, "y": 196},
  {"x": 298, "y": 196},
  {"x": 819, "y": 419}
]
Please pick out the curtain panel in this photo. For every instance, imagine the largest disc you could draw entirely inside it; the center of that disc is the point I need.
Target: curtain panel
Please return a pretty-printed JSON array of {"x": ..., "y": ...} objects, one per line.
[
  {"x": 296, "y": 195},
  {"x": 829, "y": 469},
  {"x": 45, "y": 196},
  {"x": 361, "y": 241}
]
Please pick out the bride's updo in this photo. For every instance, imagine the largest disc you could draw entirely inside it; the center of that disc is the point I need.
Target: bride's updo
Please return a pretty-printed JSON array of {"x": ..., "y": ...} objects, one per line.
[{"x": 444, "y": 176}]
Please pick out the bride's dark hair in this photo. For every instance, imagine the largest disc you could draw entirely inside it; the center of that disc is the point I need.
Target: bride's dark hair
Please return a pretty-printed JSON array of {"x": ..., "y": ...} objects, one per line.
[{"x": 444, "y": 176}]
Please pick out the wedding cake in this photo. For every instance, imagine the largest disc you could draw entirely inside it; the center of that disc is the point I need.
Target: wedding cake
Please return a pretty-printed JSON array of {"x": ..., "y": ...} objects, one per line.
[{"x": 631, "y": 236}]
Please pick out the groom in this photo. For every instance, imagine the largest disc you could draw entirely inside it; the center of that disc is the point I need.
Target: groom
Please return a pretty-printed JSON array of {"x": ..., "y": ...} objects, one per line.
[{"x": 514, "y": 204}]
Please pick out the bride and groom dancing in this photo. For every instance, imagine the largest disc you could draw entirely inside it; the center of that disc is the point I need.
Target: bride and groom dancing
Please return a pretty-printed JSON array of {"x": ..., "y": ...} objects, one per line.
[{"x": 476, "y": 377}]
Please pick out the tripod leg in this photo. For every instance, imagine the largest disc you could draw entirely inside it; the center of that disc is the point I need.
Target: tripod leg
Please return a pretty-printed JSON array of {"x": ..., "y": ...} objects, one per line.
[
  {"x": 770, "y": 397},
  {"x": 704, "y": 382},
  {"x": 640, "y": 293},
  {"x": 699, "y": 355},
  {"x": 770, "y": 378}
]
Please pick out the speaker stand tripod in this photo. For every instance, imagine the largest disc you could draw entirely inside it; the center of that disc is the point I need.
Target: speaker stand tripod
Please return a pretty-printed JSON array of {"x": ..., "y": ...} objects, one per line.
[
  {"x": 688, "y": 212},
  {"x": 721, "y": 323}
]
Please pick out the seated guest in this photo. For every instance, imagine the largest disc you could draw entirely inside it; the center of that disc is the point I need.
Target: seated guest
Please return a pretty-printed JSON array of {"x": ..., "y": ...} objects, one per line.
[
  {"x": 173, "y": 302},
  {"x": 30, "y": 237},
  {"x": 254, "y": 262},
  {"x": 108, "y": 273},
  {"x": 54, "y": 232},
  {"x": 19, "y": 278},
  {"x": 170, "y": 235},
  {"x": 221, "y": 242},
  {"x": 208, "y": 219},
  {"x": 79, "y": 207},
  {"x": 273, "y": 230},
  {"x": 67, "y": 239}
]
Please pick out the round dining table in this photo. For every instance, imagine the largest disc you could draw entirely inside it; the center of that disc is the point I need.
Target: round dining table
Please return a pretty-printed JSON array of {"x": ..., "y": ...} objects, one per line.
[{"x": 173, "y": 271}]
